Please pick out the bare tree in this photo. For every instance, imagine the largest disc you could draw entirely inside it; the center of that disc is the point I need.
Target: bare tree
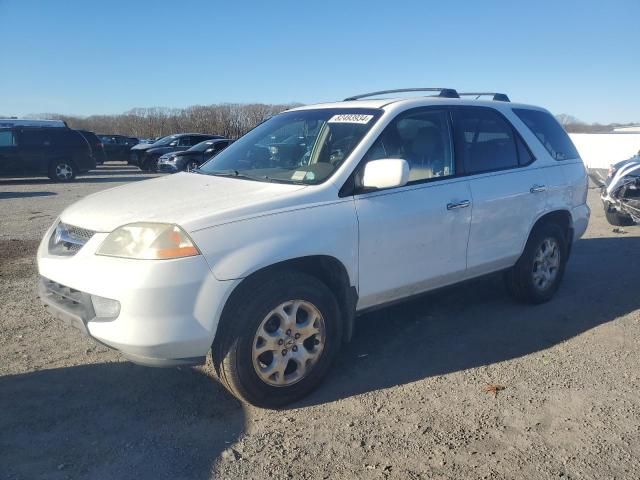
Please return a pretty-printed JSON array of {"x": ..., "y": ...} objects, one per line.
[{"x": 229, "y": 119}]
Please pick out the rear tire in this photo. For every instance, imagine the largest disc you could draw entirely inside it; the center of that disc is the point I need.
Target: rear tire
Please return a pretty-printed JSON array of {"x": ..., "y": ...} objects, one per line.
[
  {"x": 618, "y": 219},
  {"x": 265, "y": 352},
  {"x": 62, "y": 171},
  {"x": 536, "y": 276}
]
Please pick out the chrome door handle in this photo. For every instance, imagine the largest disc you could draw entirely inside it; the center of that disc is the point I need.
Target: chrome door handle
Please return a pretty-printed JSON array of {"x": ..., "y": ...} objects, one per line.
[
  {"x": 538, "y": 189},
  {"x": 456, "y": 205}
]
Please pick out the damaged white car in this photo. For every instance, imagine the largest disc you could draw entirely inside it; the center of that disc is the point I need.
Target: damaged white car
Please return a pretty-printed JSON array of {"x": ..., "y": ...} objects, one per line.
[{"x": 621, "y": 193}]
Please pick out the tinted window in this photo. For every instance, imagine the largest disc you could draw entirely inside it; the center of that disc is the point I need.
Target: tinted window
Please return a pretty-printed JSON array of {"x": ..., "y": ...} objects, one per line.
[
  {"x": 422, "y": 138},
  {"x": 485, "y": 140},
  {"x": 549, "y": 132},
  {"x": 525, "y": 156},
  {"x": 6, "y": 138},
  {"x": 34, "y": 138},
  {"x": 218, "y": 146}
]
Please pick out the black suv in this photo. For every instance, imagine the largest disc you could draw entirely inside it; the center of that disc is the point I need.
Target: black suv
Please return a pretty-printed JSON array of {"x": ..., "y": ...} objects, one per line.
[
  {"x": 58, "y": 152},
  {"x": 117, "y": 147},
  {"x": 146, "y": 156}
]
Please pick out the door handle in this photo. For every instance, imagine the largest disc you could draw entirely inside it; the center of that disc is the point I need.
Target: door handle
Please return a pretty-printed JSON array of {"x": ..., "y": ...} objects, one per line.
[
  {"x": 457, "y": 205},
  {"x": 538, "y": 189}
]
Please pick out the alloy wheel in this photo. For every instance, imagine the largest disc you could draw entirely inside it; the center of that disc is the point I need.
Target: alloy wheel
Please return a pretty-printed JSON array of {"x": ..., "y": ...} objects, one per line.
[
  {"x": 546, "y": 264},
  {"x": 288, "y": 343},
  {"x": 64, "y": 171}
]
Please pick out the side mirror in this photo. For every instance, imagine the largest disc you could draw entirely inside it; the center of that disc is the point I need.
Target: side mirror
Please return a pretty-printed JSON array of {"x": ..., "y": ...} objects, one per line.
[
  {"x": 386, "y": 173},
  {"x": 174, "y": 143}
]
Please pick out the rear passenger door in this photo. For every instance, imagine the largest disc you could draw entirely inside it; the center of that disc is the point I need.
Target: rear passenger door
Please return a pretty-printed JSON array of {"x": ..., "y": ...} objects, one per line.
[
  {"x": 9, "y": 155},
  {"x": 34, "y": 143},
  {"x": 508, "y": 189}
]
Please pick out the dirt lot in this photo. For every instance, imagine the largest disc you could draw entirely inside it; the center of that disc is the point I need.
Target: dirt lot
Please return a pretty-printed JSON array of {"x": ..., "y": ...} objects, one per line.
[{"x": 405, "y": 399}]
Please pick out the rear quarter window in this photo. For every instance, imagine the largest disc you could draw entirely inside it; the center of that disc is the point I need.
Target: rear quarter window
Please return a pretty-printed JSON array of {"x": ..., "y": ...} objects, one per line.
[{"x": 549, "y": 132}]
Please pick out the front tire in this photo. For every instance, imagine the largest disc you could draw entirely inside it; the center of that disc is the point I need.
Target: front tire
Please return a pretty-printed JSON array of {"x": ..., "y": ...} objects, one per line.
[
  {"x": 62, "y": 171},
  {"x": 536, "y": 276},
  {"x": 277, "y": 339},
  {"x": 191, "y": 166}
]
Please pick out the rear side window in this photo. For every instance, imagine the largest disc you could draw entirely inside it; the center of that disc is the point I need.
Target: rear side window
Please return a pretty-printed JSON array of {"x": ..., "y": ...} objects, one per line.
[
  {"x": 34, "y": 138},
  {"x": 485, "y": 140},
  {"x": 549, "y": 132}
]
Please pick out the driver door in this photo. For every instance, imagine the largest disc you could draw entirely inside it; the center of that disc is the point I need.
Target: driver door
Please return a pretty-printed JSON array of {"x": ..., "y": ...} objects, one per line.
[{"x": 414, "y": 238}]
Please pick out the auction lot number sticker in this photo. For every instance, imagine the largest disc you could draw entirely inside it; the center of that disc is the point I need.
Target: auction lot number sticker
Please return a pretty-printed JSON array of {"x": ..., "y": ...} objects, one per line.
[{"x": 350, "y": 118}]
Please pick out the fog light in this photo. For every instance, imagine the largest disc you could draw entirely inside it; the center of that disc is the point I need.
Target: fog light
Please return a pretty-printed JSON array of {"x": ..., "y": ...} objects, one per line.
[{"x": 105, "y": 307}]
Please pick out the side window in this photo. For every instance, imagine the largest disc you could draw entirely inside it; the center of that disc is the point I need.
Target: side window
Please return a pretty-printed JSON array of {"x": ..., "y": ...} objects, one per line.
[
  {"x": 549, "y": 132},
  {"x": 184, "y": 142},
  {"x": 525, "y": 157},
  {"x": 484, "y": 140},
  {"x": 423, "y": 139},
  {"x": 196, "y": 140},
  {"x": 34, "y": 138},
  {"x": 7, "y": 138},
  {"x": 219, "y": 146}
]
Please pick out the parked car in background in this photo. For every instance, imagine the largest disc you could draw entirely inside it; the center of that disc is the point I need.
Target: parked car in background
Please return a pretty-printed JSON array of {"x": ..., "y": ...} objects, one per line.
[
  {"x": 265, "y": 256},
  {"x": 117, "y": 147},
  {"x": 59, "y": 153},
  {"x": 26, "y": 122},
  {"x": 146, "y": 156},
  {"x": 193, "y": 157},
  {"x": 96, "y": 146}
]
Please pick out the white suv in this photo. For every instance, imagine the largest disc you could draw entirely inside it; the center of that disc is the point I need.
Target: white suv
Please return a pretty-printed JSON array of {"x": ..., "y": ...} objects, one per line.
[{"x": 267, "y": 252}]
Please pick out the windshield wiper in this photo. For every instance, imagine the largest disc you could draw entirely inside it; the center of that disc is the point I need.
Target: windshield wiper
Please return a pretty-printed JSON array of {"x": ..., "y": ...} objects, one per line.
[
  {"x": 233, "y": 174},
  {"x": 282, "y": 180}
]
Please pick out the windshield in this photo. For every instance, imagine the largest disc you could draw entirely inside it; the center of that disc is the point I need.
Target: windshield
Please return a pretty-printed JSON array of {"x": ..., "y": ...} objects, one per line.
[
  {"x": 165, "y": 141},
  {"x": 304, "y": 146},
  {"x": 202, "y": 146}
]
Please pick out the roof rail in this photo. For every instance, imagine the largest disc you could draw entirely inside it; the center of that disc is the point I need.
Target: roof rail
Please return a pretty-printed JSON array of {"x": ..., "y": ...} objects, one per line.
[
  {"x": 444, "y": 92},
  {"x": 498, "y": 97}
]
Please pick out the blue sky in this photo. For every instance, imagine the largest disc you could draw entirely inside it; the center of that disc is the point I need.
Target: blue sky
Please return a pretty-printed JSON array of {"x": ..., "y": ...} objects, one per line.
[{"x": 93, "y": 57}]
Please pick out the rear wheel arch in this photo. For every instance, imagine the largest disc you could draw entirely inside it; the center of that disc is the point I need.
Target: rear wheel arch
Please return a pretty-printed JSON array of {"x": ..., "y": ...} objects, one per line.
[{"x": 562, "y": 218}]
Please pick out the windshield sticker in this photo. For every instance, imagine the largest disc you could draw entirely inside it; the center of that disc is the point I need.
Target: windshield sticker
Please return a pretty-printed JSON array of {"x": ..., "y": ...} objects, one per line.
[
  {"x": 350, "y": 118},
  {"x": 298, "y": 175}
]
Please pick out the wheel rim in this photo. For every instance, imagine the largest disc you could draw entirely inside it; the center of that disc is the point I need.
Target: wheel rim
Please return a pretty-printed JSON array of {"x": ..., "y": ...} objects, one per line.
[
  {"x": 192, "y": 166},
  {"x": 546, "y": 264},
  {"x": 288, "y": 343},
  {"x": 64, "y": 171}
]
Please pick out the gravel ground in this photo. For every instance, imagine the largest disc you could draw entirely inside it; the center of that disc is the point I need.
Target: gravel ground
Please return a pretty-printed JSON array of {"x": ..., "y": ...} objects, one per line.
[{"x": 406, "y": 399}]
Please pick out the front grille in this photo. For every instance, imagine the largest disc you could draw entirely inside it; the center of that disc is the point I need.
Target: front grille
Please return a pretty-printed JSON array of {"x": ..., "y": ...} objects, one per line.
[
  {"x": 68, "y": 239},
  {"x": 80, "y": 234}
]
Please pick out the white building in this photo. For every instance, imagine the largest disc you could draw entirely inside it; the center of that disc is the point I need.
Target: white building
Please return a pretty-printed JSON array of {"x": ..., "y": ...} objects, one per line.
[
  {"x": 629, "y": 129},
  {"x": 600, "y": 150}
]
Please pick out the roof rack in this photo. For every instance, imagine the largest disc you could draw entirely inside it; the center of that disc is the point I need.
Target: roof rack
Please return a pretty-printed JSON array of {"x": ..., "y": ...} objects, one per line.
[
  {"x": 444, "y": 92},
  {"x": 498, "y": 97}
]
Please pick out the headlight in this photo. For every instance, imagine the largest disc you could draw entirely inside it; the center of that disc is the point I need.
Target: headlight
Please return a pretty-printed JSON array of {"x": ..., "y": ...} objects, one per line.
[{"x": 148, "y": 241}]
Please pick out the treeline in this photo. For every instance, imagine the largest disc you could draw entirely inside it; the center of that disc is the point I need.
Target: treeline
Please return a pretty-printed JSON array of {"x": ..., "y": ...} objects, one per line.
[
  {"x": 592, "y": 127},
  {"x": 229, "y": 119}
]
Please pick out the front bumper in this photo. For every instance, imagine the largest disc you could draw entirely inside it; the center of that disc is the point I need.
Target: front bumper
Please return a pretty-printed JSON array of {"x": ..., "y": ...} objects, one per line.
[
  {"x": 169, "y": 309},
  {"x": 167, "y": 167}
]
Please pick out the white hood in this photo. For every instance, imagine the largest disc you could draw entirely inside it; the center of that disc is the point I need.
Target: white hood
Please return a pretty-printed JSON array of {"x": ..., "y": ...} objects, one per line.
[{"x": 187, "y": 199}]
